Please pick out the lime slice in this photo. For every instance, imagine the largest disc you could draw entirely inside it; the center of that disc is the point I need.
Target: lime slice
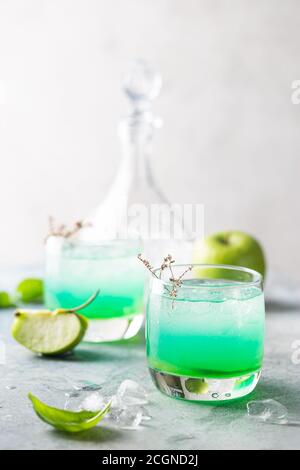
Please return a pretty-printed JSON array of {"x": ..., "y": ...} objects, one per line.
[
  {"x": 47, "y": 332},
  {"x": 5, "y": 300},
  {"x": 50, "y": 333},
  {"x": 64, "y": 420},
  {"x": 30, "y": 290}
]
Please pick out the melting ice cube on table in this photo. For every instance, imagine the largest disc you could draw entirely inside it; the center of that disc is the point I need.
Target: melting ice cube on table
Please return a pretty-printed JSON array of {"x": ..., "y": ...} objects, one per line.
[
  {"x": 127, "y": 411},
  {"x": 93, "y": 402},
  {"x": 269, "y": 411},
  {"x": 78, "y": 394},
  {"x": 131, "y": 393},
  {"x": 128, "y": 418}
]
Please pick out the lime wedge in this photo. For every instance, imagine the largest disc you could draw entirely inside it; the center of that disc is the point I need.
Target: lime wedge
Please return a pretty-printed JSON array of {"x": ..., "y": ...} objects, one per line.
[
  {"x": 51, "y": 332},
  {"x": 47, "y": 332},
  {"x": 69, "y": 421},
  {"x": 30, "y": 290}
]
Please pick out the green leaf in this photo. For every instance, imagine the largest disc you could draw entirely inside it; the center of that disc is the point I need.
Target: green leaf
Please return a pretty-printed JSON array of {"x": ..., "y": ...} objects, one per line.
[
  {"x": 69, "y": 421},
  {"x": 30, "y": 290},
  {"x": 5, "y": 300}
]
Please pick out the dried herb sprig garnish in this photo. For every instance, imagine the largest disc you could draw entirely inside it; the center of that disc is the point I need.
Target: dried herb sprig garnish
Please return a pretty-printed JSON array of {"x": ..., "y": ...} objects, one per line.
[
  {"x": 148, "y": 265},
  {"x": 61, "y": 230},
  {"x": 167, "y": 263},
  {"x": 177, "y": 283}
]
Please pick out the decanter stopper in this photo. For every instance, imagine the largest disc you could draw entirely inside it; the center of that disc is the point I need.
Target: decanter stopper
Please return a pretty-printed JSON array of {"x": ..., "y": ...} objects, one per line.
[{"x": 142, "y": 84}]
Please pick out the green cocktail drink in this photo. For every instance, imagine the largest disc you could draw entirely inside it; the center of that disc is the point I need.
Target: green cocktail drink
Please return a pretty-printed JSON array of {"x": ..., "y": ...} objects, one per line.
[
  {"x": 208, "y": 343},
  {"x": 74, "y": 270}
]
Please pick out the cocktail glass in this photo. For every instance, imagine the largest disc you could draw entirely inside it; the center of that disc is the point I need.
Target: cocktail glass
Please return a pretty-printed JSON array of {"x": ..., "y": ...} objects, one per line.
[
  {"x": 76, "y": 269},
  {"x": 207, "y": 343}
]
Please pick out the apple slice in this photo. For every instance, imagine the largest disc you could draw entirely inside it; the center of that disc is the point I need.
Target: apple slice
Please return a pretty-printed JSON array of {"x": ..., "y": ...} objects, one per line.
[{"x": 50, "y": 332}]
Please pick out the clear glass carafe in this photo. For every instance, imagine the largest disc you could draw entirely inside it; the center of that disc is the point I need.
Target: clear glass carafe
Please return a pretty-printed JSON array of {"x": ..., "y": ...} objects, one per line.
[{"x": 135, "y": 206}]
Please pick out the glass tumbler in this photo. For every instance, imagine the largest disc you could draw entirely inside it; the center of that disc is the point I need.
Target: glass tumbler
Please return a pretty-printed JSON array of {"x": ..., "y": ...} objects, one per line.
[{"x": 206, "y": 342}]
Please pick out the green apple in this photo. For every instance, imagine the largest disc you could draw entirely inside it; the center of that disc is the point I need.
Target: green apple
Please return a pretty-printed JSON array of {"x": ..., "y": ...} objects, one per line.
[
  {"x": 234, "y": 248},
  {"x": 50, "y": 332}
]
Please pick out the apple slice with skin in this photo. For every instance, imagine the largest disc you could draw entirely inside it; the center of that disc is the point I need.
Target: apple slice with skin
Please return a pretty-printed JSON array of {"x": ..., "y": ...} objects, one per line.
[{"x": 50, "y": 332}]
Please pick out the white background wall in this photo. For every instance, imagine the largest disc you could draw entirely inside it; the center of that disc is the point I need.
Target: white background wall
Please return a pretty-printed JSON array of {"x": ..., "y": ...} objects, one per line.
[{"x": 230, "y": 127}]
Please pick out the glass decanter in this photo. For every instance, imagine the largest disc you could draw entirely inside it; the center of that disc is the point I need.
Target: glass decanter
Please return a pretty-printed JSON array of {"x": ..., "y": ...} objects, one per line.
[{"x": 135, "y": 208}]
